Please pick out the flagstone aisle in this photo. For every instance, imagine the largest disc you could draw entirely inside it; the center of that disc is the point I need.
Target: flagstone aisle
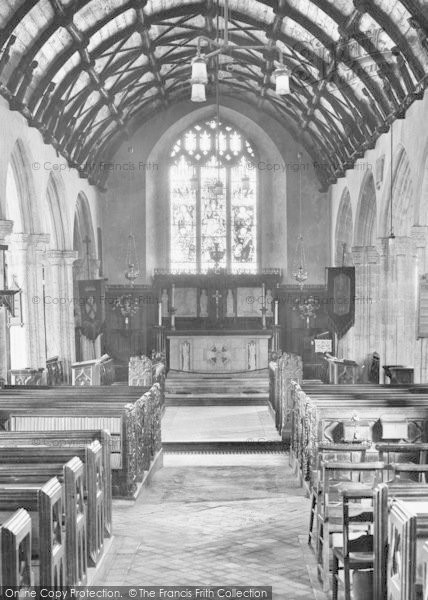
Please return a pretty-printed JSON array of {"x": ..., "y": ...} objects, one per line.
[{"x": 216, "y": 519}]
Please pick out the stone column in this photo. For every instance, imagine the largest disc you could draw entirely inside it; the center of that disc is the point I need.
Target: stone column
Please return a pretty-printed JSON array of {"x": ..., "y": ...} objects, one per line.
[
  {"x": 359, "y": 260},
  {"x": 5, "y": 231},
  {"x": 371, "y": 299},
  {"x": 419, "y": 234},
  {"x": 384, "y": 310},
  {"x": 28, "y": 342},
  {"x": 59, "y": 306}
]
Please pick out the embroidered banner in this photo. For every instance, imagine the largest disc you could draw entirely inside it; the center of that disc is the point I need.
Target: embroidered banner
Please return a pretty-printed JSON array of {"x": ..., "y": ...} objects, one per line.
[
  {"x": 92, "y": 305},
  {"x": 341, "y": 298}
]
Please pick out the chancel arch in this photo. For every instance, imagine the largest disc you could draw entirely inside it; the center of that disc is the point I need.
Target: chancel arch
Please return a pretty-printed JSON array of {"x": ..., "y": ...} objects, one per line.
[{"x": 271, "y": 188}]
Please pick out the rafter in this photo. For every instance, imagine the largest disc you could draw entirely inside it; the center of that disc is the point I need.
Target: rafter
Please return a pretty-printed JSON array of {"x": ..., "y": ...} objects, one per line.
[{"x": 84, "y": 108}]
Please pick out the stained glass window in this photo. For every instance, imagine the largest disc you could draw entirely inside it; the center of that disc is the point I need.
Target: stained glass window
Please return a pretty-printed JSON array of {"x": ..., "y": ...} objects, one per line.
[{"x": 213, "y": 201}]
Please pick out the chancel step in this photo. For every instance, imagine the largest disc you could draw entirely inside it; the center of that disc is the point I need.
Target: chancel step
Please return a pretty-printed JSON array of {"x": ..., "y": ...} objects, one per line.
[
  {"x": 193, "y": 389},
  {"x": 247, "y": 447}
]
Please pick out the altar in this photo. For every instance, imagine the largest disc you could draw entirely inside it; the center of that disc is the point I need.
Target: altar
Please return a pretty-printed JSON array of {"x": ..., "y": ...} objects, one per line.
[{"x": 218, "y": 351}]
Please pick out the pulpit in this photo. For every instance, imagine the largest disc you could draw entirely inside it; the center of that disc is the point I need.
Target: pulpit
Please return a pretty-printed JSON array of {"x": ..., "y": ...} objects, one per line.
[{"x": 99, "y": 371}]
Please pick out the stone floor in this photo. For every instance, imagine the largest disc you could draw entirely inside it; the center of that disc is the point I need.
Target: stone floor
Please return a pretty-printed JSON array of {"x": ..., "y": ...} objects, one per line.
[
  {"x": 235, "y": 519},
  {"x": 218, "y": 423}
]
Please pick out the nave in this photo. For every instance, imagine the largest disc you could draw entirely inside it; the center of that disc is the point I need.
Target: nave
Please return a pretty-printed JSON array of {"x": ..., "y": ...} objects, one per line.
[{"x": 217, "y": 519}]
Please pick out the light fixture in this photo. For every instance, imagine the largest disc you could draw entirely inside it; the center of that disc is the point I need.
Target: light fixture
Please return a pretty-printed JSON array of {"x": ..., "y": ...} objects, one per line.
[
  {"x": 300, "y": 273},
  {"x": 198, "y": 92},
  {"x": 282, "y": 81},
  {"x": 218, "y": 185},
  {"x": 222, "y": 46},
  {"x": 131, "y": 258},
  {"x": 199, "y": 70},
  {"x": 6, "y": 295}
]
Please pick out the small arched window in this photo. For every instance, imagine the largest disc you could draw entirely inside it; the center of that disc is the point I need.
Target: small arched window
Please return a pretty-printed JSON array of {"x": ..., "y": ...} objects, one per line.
[{"x": 213, "y": 201}]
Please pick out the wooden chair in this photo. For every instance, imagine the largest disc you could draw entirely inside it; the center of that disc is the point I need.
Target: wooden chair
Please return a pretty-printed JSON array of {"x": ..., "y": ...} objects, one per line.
[
  {"x": 329, "y": 452},
  {"x": 356, "y": 553},
  {"x": 400, "y": 470},
  {"x": 336, "y": 477}
]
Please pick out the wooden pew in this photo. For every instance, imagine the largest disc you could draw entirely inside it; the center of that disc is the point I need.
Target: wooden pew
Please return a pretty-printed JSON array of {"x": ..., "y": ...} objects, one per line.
[
  {"x": 69, "y": 439},
  {"x": 321, "y": 418},
  {"x": 91, "y": 456},
  {"x": 44, "y": 503},
  {"x": 16, "y": 551},
  {"x": 135, "y": 427},
  {"x": 399, "y": 530}
]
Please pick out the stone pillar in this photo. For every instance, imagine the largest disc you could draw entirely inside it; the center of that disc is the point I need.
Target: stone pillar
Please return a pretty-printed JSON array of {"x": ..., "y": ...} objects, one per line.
[
  {"x": 419, "y": 235},
  {"x": 28, "y": 342},
  {"x": 59, "y": 306},
  {"x": 359, "y": 329},
  {"x": 5, "y": 231},
  {"x": 371, "y": 299},
  {"x": 405, "y": 300},
  {"x": 397, "y": 300},
  {"x": 384, "y": 311}
]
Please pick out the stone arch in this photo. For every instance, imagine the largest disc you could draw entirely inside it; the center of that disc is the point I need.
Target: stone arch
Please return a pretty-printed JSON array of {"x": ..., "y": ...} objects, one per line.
[
  {"x": 20, "y": 178},
  {"x": 402, "y": 197},
  {"x": 365, "y": 223},
  {"x": 344, "y": 231},
  {"x": 57, "y": 214},
  {"x": 275, "y": 213}
]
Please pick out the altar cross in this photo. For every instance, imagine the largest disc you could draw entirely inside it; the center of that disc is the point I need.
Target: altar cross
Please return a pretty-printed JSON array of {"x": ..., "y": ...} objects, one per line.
[{"x": 217, "y": 296}]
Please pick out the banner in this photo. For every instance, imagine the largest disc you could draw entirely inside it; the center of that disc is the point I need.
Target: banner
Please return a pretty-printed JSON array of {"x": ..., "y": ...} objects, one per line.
[
  {"x": 341, "y": 298},
  {"x": 92, "y": 305}
]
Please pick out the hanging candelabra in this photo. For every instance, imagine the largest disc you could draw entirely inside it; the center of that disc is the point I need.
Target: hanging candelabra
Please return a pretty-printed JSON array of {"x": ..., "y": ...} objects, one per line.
[
  {"x": 133, "y": 271},
  {"x": 300, "y": 273}
]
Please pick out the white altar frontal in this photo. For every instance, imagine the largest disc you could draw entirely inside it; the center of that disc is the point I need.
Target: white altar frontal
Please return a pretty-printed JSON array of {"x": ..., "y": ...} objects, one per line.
[{"x": 216, "y": 352}]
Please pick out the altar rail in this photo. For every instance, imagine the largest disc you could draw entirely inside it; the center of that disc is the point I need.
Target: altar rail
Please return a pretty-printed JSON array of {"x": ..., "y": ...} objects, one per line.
[
  {"x": 336, "y": 413},
  {"x": 132, "y": 417}
]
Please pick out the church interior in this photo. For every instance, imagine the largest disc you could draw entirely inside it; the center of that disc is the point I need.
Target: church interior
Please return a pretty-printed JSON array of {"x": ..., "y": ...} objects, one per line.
[{"x": 214, "y": 298}]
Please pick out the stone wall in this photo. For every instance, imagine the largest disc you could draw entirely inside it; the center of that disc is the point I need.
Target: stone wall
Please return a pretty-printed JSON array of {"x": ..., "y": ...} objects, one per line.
[
  {"x": 138, "y": 188},
  {"x": 38, "y": 196},
  {"x": 388, "y": 269}
]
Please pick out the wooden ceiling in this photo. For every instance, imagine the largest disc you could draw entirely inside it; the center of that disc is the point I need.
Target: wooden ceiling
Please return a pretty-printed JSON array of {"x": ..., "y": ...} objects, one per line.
[{"x": 86, "y": 73}]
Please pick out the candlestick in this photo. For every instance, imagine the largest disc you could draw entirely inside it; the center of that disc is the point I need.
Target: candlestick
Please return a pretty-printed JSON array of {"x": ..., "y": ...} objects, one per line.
[
  {"x": 160, "y": 313},
  {"x": 263, "y": 295},
  {"x": 173, "y": 295},
  {"x": 276, "y": 312}
]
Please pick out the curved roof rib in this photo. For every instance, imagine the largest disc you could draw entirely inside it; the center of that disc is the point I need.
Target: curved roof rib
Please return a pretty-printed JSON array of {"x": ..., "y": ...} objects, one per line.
[{"x": 87, "y": 72}]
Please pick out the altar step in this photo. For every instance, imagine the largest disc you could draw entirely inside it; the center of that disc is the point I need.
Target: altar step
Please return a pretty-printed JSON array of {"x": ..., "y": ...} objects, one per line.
[
  {"x": 217, "y": 400},
  {"x": 193, "y": 389}
]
